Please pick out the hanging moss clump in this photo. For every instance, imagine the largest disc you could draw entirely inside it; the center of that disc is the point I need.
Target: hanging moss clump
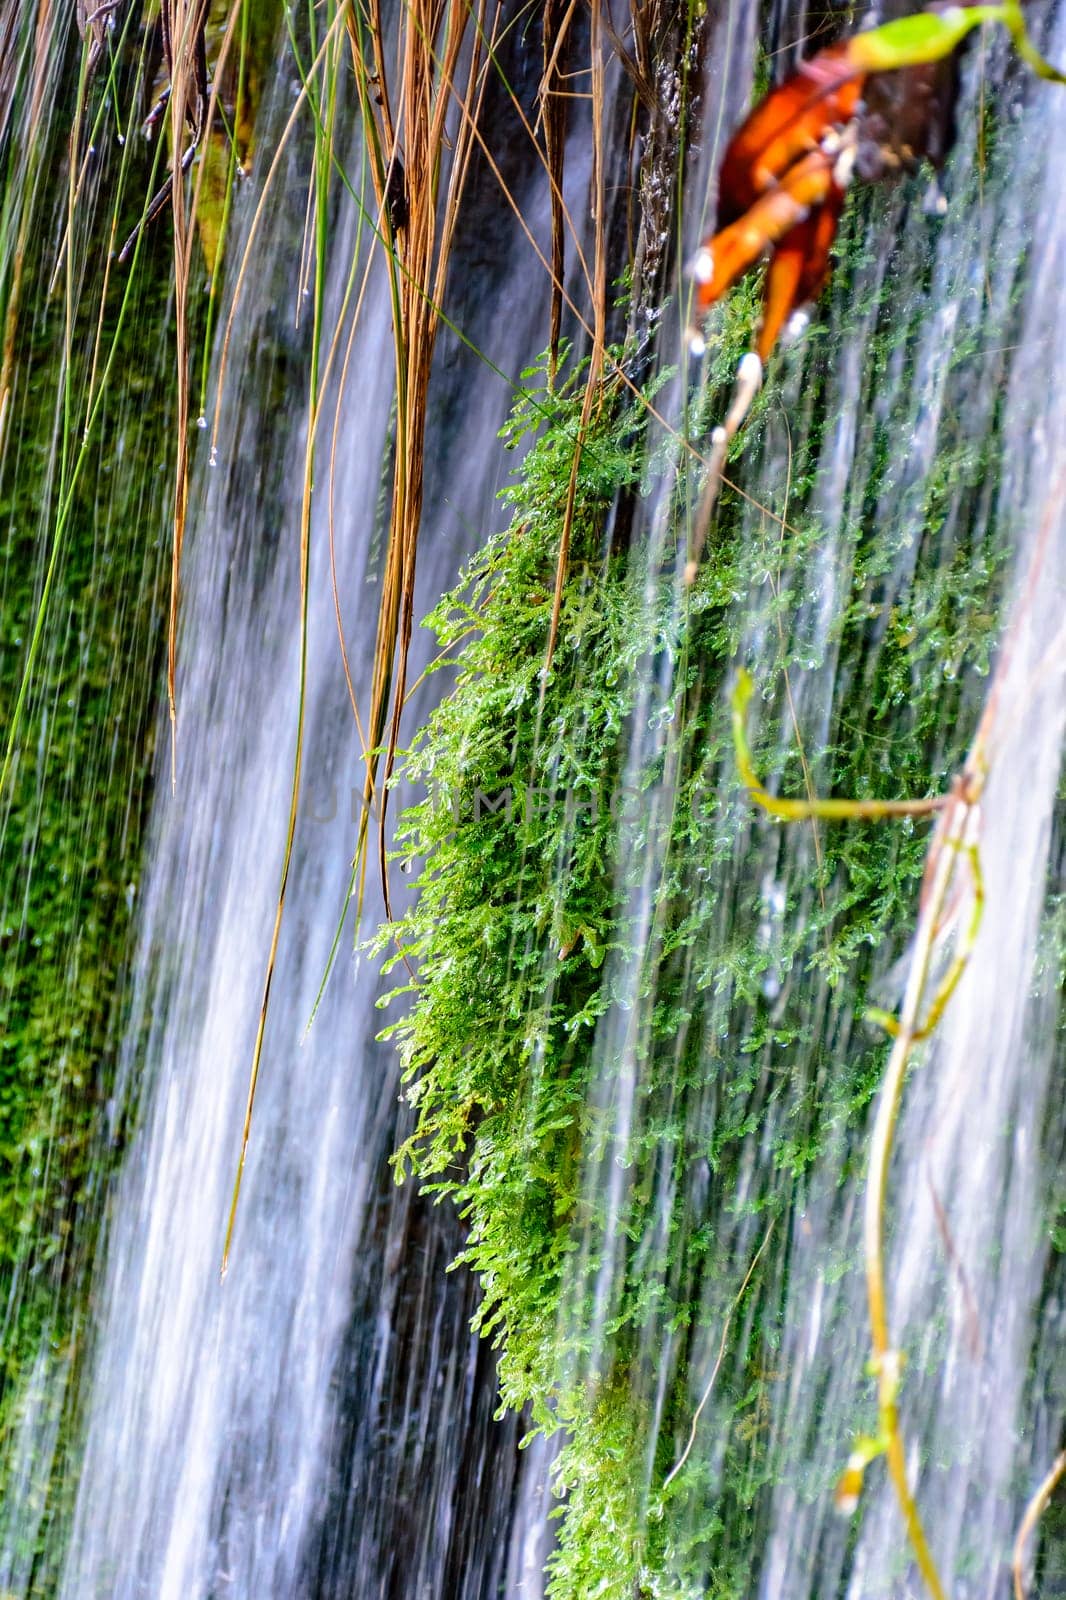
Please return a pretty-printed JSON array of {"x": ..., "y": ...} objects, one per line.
[{"x": 699, "y": 1028}]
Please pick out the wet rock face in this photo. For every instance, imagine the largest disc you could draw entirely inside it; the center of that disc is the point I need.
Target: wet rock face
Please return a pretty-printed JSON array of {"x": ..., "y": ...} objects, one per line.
[{"x": 417, "y": 1495}]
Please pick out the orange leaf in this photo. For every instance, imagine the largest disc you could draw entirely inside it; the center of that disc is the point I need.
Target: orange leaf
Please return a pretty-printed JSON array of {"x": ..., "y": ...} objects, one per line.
[
  {"x": 731, "y": 252},
  {"x": 821, "y": 94}
]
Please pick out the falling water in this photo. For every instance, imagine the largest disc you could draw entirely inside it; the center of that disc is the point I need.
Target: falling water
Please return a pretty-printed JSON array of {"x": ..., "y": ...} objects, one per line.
[
  {"x": 72, "y": 807},
  {"x": 967, "y": 1247},
  {"x": 321, "y": 1423},
  {"x": 304, "y": 1426}
]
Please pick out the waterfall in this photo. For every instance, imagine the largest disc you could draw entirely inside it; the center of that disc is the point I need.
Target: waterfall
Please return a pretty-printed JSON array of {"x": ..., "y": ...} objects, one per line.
[
  {"x": 970, "y": 1180},
  {"x": 321, "y": 1422},
  {"x": 928, "y": 341}
]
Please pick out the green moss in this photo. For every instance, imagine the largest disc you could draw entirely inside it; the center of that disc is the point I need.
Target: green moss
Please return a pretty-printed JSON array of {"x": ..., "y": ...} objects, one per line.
[
  {"x": 517, "y": 905},
  {"x": 549, "y": 974},
  {"x": 72, "y": 817},
  {"x": 71, "y": 826}
]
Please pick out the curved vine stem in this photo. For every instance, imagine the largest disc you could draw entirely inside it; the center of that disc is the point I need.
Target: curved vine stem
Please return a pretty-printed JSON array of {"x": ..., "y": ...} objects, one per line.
[
  {"x": 1033, "y": 1512},
  {"x": 803, "y": 810},
  {"x": 712, "y": 1380},
  {"x": 954, "y": 841},
  {"x": 887, "y": 1362}
]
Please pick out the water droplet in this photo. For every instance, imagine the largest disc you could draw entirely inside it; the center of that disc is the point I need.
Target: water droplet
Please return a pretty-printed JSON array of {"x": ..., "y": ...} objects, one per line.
[
  {"x": 122, "y": 138},
  {"x": 798, "y": 323},
  {"x": 213, "y": 462},
  {"x": 703, "y": 266},
  {"x": 201, "y": 421}
]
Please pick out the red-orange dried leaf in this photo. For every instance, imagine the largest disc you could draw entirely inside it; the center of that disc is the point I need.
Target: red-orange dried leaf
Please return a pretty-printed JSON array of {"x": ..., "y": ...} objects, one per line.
[
  {"x": 773, "y": 215},
  {"x": 822, "y": 94}
]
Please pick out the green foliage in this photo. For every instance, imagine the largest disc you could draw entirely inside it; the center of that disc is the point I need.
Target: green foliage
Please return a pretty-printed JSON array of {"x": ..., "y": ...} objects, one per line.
[
  {"x": 517, "y": 906},
  {"x": 571, "y": 1017},
  {"x": 599, "y": 1473}
]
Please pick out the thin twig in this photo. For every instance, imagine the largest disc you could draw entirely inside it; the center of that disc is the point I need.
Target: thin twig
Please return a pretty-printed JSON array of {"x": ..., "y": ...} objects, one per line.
[
  {"x": 972, "y": 1320},
  {"x": 599, "y": 333},
  {"x": 676, "y": 1468},
  {"x": 808, "y": 781}
]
